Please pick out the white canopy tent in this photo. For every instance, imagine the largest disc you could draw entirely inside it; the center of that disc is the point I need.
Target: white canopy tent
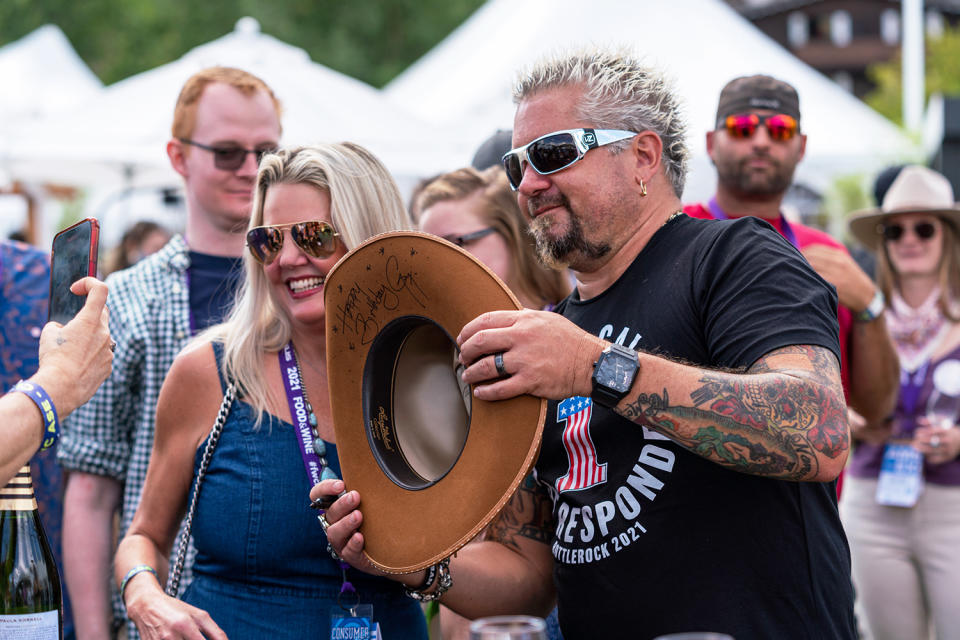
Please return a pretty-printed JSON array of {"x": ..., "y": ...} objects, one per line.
[
  {"x": 43, "y": 77},
  {"x": 465, "y": 81},
  {"x": 119, "y": 138}
]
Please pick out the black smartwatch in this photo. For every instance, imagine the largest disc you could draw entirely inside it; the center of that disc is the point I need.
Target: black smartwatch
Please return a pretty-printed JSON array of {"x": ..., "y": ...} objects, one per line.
[{"x": 613, "y": 375}]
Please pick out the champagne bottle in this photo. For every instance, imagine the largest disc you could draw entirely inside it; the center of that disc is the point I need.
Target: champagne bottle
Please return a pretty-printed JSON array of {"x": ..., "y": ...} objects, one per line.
[{"x": 31, "y": 606}]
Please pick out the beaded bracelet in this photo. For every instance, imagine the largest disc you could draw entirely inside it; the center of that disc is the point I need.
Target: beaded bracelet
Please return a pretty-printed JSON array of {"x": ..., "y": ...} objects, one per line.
[
  {"x": 140, "y": 568},
  {"x": 428, "y": 578},
  {"x": 444, "y": 583},
  {"x": 51, "y": 423}
]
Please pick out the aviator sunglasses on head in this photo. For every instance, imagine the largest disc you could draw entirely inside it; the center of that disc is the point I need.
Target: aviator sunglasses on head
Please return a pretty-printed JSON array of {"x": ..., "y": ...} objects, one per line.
[
  {"x": 923, "y": 230},
  {"x": 558, "y": 150},
  {"x": 229, "y": 157},
  {"x": 316, "y": 238},
  {"x": 780, "y": 126}
]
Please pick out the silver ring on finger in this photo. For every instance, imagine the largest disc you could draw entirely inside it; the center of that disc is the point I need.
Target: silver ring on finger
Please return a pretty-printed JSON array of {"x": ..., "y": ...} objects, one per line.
[
  {"x": 323, "y": 522},
  {"x": 498, "y": 363},
  {"x": 935, "y": 441}
]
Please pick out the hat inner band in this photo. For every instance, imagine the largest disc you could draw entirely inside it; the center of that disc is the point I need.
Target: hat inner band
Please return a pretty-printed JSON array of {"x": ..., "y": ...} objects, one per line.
[{"x": 416, "y": 408}]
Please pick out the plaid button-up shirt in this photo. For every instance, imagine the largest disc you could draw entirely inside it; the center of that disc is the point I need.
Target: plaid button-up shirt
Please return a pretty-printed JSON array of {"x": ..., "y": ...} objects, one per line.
[{"x": 112, "y": 435}]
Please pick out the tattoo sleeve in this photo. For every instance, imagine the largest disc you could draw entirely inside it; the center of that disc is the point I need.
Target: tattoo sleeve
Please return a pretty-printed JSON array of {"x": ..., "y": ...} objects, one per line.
[
  {"x": 528, "y": 514},
  {"x": 781, "y": 418}
]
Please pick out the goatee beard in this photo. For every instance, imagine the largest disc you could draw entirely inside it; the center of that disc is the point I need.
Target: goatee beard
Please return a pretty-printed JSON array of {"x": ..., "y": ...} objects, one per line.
[{"x": 557, "y": 252}]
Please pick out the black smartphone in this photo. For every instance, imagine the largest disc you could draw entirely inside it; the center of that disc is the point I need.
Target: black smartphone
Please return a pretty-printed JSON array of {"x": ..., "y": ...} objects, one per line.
[{"x": 73, "y": 256}]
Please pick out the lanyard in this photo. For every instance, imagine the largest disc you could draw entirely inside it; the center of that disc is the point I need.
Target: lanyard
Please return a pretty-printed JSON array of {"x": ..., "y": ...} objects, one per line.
[
  {"x": 787, "y": 232},
  {"x": 316, "y": 466},
  {"x": 298, "y": 412},
  {"x": 910, "y": 385}
]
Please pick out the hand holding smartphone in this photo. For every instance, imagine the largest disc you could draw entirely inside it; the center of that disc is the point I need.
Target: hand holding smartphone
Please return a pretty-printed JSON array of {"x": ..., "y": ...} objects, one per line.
[{"x": 73, "y": 256}]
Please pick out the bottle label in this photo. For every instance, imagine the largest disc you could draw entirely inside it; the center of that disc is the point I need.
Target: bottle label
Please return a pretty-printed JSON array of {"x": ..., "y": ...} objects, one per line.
[
  {"x": 17, "y": 495},
  {"x": 30, "y": 626}
]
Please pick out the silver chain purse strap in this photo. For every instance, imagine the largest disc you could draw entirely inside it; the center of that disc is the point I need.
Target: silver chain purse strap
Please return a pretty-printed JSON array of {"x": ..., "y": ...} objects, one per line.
[{"x": 173, "y": 583}]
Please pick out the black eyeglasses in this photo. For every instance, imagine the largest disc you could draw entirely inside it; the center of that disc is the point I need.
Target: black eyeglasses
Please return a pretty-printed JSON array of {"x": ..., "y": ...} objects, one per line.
[
  {"x": 557, "y": 151},
  {"x": 467, "y": 238},
  {"x": 316, "y": 238},
  {"x": 923, "y": 230},
  {"x": 229, "y": 158}
]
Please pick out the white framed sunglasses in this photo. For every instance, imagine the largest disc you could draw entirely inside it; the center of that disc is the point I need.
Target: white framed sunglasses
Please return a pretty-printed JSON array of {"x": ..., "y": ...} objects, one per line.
[{"x": 556, "y": 151}]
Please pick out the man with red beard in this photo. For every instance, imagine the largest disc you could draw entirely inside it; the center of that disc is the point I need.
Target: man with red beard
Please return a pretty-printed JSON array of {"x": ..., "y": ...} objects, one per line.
[
  {"x": 223, "y": 121},
  {"x": 755, "y": 147}
]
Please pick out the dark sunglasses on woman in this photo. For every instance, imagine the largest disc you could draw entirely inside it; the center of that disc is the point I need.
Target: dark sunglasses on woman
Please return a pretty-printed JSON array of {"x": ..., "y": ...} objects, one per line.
[
  {"x": 318, "y": 239},
  {"x": 923, "y": 230}
]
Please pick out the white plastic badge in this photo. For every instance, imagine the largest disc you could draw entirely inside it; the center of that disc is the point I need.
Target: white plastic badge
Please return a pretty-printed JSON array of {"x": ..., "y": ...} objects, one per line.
[
  {"x": 353, "y": 623},
  {"x": 901, "y": 476}
]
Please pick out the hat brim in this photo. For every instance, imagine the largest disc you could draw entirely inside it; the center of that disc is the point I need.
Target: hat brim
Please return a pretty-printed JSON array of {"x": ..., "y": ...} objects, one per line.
[
  {"x": 866, "y": 224},
  {"x": 393, "y": 281}
]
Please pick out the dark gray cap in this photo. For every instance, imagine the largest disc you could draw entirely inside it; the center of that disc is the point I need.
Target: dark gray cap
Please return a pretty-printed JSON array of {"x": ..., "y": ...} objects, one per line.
[
  {"x": 749, "y": 93},
  {"x": 491, "y": 151}
]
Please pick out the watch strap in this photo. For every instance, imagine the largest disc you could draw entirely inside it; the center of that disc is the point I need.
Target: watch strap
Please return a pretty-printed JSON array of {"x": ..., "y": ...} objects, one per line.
[
  {"x": 875, "y": 309},
  {"x": 604, "y": 397}
]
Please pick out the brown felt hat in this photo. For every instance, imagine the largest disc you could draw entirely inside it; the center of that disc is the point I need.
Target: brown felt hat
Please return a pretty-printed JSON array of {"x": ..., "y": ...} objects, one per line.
[{"x": 433, "y": 465}]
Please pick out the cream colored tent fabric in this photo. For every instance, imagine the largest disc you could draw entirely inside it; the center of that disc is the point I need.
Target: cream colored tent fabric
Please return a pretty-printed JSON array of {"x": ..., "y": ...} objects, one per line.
[{"x": 465, "y": 80}]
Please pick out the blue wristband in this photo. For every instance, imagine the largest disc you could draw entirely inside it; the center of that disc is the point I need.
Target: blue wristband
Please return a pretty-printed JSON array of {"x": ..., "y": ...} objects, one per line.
[
  {"x": 51, "y": 424},
  {"x": 140, "y": 568}
]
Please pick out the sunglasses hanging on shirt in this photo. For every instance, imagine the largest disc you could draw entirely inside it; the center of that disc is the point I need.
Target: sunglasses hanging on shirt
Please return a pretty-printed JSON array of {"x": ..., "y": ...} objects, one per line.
[{"x": 316, "y": 238}]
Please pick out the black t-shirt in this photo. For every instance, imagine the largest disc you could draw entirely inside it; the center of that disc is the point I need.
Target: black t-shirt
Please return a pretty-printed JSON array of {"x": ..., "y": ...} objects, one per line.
[
  {"x": 653, "y": 539},
  {"x": 213, "y": 282}
]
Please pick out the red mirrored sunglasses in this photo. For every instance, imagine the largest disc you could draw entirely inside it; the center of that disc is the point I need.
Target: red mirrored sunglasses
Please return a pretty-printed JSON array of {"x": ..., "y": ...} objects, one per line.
[{"x": 780, "y": 126}]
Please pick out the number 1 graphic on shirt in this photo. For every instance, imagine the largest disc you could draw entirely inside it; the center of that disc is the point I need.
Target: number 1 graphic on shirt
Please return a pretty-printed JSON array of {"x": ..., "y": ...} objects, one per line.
[{"x": 583, "y": 470}]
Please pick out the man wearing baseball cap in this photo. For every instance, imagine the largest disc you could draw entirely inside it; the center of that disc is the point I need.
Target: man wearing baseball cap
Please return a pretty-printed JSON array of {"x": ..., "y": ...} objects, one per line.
[{"x": 755, "y": 146}]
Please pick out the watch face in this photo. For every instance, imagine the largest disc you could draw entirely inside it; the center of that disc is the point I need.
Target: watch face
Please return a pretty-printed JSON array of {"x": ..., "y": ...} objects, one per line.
[{"x": 614, "y": 372}]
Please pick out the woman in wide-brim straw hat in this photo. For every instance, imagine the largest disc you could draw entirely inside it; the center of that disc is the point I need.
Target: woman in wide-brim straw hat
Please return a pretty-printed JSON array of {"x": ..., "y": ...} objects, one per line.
[{"x": 903, "y": 522}]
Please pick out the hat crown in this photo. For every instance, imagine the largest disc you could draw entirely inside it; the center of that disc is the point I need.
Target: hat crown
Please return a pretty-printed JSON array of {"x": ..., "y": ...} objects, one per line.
[{"x": 918, "y": 189}]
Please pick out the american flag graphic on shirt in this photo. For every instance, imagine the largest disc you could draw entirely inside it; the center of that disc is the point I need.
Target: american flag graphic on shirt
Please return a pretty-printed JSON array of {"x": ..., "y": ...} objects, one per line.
[{"x": 584, "y": 470}]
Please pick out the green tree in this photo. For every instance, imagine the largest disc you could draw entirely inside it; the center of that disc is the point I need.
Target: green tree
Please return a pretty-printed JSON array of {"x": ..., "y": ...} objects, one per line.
[
  {"x": 372, "y": 40},
  {"x": 941, "y": 70}
]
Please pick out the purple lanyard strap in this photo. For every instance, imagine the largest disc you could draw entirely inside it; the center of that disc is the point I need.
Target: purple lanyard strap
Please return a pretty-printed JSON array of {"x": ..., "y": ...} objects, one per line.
[
  {"x": 788, "y": 233},
  {"x": 316, "y": 466},
  {"x": 910, "y": 386},
  {"x": 297, "y": 402}
]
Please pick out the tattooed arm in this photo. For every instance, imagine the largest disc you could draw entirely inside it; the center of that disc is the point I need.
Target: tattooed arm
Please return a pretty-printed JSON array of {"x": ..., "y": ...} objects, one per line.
[
  {"x": 510, "y": 571},
  {"x": 784, "y": 417}
]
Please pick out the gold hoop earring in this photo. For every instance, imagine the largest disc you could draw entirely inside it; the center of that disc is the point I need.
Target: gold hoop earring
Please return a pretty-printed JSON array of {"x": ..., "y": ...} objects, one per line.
[{"x": 643, "y": 188}]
